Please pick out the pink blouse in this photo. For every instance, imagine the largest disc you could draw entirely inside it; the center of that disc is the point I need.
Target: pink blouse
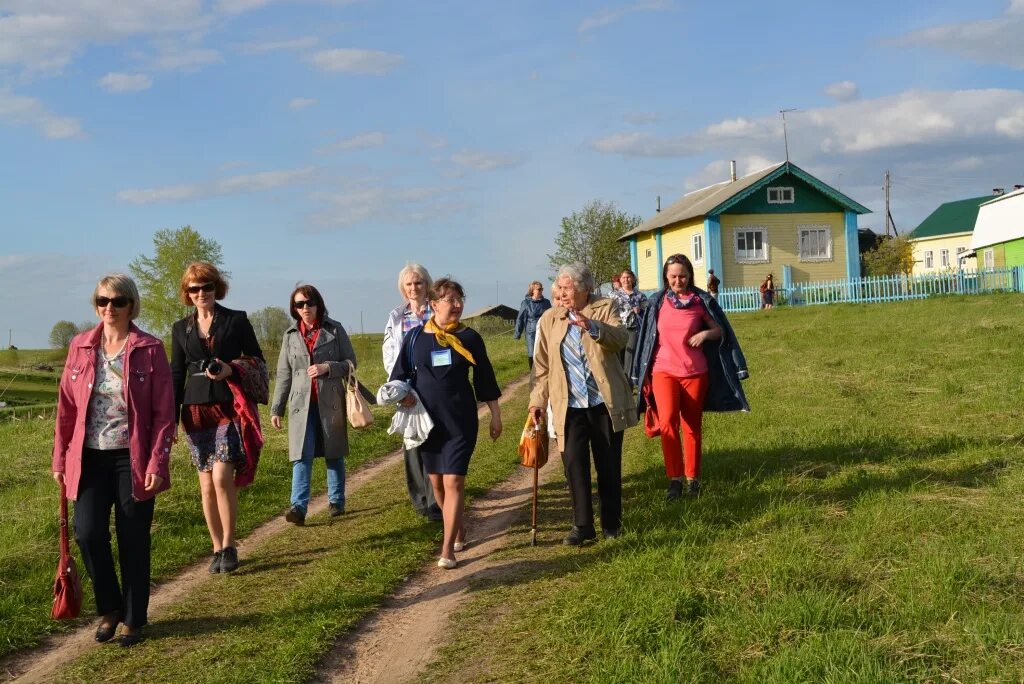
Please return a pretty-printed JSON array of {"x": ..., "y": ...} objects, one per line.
[{"x": 674, "y": 356}]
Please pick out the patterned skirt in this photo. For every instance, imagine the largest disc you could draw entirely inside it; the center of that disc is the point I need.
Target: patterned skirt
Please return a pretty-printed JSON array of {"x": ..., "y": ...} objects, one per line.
[{"x": 211, "y": 432}]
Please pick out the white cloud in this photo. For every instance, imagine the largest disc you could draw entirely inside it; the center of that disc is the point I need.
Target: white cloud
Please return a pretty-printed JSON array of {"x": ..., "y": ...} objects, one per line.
[
  {"x": 252, "y": 182},
  {"x": 125, "y": 83},
  {"x": 608, "y": 16},
  {"x": 1012, "y": 126},
  {"x": 355, "y": 61},
  {"x": 186, "y": 59},
  {"x": 485, "y": 161},
  {"x": 356, "y": 142},
  {"x": 843, "y": 91},
  {"x": 433, "y": 142},
  {"x": 24, "y": 110},
  {"x": 239, "y": 6},
  {"x": 358, "y": 204},
  {"x": 990, "y": 41},
  {"x": 303, "y": 43},
  {"x": 301, "y": 102}
]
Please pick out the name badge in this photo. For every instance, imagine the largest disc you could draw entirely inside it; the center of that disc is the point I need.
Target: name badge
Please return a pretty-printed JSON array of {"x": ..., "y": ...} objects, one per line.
[{"x": 441, "y": 358}]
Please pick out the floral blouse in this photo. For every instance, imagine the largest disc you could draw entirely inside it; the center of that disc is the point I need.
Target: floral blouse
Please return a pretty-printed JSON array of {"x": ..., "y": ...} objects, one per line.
[{"x": 106, "y": 423}]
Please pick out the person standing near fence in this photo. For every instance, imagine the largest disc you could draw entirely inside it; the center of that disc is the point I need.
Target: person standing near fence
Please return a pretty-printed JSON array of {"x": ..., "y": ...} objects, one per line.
[
  {"x": 112, "y": 448},
  {"x": 312, "y": 369},
  {"x": 533, "y": 307},
  {"x": 689, "y": 362},
  {"x": 713, "y": 283},
  {"x": 768, "y": 292},
  {"x": 413, "y": 284}
]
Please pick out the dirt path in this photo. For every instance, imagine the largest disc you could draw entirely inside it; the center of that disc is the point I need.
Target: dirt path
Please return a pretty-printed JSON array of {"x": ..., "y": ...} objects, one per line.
[
  {"x": 44, "y": 662},
  {"x": 397, "y": 641}
]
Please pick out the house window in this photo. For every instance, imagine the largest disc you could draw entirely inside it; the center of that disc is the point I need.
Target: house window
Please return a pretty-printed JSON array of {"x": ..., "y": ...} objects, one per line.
[
  {"x": 751, "y": 244},
  {"x": 648, "y": 254},
  {"x": 944, "y": 258},
  {"x": 815, "y": 243},
  {"x": 698, "y": 248},
  {"x": 990, "y": 258},
  {"x": 929, "y": 259},
  {"x": 959, "y": 251},
  {"x": 780, "y": 195}
]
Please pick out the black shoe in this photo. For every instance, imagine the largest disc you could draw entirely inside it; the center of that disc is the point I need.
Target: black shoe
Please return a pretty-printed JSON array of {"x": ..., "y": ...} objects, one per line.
[
  {"x": 579, "y": 535},
  {"x": 129, "y": 640},
  {"x": 229, "y": 559},
  {"x": 612, "y": 534},
  {"x": 336, "y": 510},
  {"x": 675, "y": 490},
  {"x": 106, "y": 633},
  {"x": 692, "y": 487},
  {"x": 215, "y": 563},
  {"x": 434, "y": 514},
  {"x": 295, "y": 515}
]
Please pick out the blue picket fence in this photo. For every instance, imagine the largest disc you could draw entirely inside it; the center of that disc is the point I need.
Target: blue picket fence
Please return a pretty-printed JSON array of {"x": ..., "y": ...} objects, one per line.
[{"x": 878, "y": 289}]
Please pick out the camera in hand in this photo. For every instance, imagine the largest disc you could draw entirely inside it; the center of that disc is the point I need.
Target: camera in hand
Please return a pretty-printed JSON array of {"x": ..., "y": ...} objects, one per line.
[{"x": 212, "y": 365}]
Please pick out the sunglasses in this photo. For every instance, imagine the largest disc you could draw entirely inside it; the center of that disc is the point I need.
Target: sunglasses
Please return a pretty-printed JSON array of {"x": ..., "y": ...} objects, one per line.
[
  {"x": 303, "y": 303},
  {"x": 675, "y": 259},
  {"x": 119, "y": 302},
  {"x": 205, "y": 287}
]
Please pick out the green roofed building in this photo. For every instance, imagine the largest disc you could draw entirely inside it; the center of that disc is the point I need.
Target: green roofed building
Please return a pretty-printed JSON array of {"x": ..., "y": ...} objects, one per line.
[{"x": 943, "y": 240}]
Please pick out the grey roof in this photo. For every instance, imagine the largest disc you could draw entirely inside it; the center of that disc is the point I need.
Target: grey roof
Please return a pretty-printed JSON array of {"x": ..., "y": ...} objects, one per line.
[
  {"x": 498, "y": 310},
  {"x": 701, "y": 202}
]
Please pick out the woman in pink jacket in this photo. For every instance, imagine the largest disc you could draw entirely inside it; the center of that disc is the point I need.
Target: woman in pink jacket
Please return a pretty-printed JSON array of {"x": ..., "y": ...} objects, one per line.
[{"x": 115, "y": 427}]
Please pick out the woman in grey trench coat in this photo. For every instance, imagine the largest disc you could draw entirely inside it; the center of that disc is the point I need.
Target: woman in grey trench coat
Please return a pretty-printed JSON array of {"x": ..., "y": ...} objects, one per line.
[{"x": 311, "y": 374}]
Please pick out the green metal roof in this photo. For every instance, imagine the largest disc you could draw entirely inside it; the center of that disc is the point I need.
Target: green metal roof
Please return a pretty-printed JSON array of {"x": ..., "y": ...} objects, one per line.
[{"x": 951, "y": 217}]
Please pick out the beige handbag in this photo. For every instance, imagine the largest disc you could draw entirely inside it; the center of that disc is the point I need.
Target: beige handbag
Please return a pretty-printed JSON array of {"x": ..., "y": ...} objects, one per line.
[{"x": 359, "y": 415}]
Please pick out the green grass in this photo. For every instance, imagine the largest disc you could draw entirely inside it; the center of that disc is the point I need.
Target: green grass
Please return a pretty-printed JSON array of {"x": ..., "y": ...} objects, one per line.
[
  {"x": 863, "y": 524},
  {"x": 28, "y": 497}
]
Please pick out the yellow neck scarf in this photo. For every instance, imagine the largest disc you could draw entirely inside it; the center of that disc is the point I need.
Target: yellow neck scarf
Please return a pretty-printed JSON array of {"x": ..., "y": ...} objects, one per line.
[{"x": 445, "y": 337}]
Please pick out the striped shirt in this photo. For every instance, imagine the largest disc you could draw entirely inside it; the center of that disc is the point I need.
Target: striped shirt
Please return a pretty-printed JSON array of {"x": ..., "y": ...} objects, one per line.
[{"x": 583, "y": 391}]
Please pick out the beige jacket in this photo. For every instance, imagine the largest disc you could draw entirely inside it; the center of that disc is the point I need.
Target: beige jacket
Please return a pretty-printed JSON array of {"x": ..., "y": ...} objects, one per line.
[{"x": 550, "y": 382}]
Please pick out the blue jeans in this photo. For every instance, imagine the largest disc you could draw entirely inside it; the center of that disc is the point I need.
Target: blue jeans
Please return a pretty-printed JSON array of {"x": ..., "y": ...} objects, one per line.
[{"x": 302, "y": 469}]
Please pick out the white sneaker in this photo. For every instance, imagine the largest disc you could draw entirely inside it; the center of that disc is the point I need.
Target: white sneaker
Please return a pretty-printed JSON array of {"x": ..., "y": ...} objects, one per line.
[{"x": 446, "y": 563}]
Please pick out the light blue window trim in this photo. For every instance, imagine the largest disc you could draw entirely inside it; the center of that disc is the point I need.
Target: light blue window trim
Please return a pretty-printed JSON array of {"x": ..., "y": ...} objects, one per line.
[
  {"x": 632, "y": 256},
  {"x": 713, "y": 244},
  {"x": 661, "y": 259},
  {"x": 852, "y": 246}
]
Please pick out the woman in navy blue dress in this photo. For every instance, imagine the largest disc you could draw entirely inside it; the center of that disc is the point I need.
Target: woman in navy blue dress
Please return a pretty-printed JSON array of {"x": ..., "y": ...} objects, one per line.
[{"x": 435, "y": 360}]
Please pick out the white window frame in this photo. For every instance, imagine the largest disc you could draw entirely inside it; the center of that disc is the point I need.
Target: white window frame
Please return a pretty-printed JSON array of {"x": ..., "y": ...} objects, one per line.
[
  {"x": 929, "y": 259},
  {"x": 816, "y": 227},
  {"x": 990, "y": 258},
  {"x": 697, "y": 244},
  {"x": 765, "y": 247},
  {"x": 944, "y": 258},
  {"x": 784, "y": 194}
]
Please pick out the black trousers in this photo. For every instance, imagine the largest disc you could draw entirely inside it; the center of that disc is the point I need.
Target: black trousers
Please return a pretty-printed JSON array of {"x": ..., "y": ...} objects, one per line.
[
  {"x": 421, "y": 493},
  {"x": 107, "y": 483},
  {"x": 590, "y": 430}
]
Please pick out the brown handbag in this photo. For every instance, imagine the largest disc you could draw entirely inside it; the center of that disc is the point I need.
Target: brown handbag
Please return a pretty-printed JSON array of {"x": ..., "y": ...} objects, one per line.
[
  {"x": 359, "y": 415},
  {"x": 67, "y": 588},
  {"x": 533, "y": 445}
]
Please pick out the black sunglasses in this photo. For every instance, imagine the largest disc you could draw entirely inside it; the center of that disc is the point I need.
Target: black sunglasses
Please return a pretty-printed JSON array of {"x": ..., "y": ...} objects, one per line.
[
  {"x": 119, "y": 302},
  {"x": 303, "y": 303},
  {"x": 675, "y": 259},
  {"x": 205, "y": 287}
]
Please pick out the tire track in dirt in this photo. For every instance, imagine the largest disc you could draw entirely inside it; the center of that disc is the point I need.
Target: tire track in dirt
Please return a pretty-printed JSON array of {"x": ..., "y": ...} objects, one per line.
[{"x": 43, "y": 663}]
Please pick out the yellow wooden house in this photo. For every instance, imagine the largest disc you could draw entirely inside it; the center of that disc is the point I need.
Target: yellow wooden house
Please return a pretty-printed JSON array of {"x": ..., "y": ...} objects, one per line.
[
  {"x": 779, "y": 220},
  {"x": 943, "y": 240}
]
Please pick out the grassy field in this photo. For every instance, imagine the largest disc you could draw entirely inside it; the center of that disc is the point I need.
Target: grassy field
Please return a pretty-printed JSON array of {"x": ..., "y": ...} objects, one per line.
[
  {"x": 862, "y": 524},
  {"x": 28, "y": 540}
]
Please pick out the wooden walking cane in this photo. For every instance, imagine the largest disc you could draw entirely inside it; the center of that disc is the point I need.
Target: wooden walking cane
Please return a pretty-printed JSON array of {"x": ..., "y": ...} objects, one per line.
[
  {"x": 533, "y": 532},
  {"x": 533, "y": 453}
]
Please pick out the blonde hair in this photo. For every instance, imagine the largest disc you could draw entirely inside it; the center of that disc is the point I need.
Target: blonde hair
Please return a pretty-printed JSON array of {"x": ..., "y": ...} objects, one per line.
[
  {"x": 535, "y": 283},
  {"x": 122, "y": 286},
  {"x": 413, "y": 267}
]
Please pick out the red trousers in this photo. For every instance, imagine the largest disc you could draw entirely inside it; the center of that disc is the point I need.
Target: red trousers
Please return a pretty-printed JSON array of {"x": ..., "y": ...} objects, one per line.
[{"x": 680, "y": 400}]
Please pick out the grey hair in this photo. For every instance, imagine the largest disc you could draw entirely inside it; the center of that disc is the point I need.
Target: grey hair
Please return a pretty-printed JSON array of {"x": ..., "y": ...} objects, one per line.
[
  {"x": 413, "y": 267},
  {"x": 582, "y": 278},
  {"x": 122, "y": 286}
]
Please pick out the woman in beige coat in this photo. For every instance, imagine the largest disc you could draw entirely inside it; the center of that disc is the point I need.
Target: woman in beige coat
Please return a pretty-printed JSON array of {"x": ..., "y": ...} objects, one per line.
[{"x": 576, "y": 367}]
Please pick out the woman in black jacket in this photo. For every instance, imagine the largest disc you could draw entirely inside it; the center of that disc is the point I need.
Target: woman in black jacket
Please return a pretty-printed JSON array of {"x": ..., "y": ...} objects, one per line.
[{"x": 202, "y": 346}]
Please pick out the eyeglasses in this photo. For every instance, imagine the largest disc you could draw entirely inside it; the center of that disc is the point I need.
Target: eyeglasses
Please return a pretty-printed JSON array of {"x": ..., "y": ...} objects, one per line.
[
  {"x": 119, "y": 302},
  {"x": 303, "y": 303},
  {"x": 675, "y": 259},
  {"x": 205, "y": 287},
  {"x": 452, "y": 301}
]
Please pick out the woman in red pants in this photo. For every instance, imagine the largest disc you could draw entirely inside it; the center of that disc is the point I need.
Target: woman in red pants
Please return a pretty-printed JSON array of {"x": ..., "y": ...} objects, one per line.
[{"x": 688, "y": 361}]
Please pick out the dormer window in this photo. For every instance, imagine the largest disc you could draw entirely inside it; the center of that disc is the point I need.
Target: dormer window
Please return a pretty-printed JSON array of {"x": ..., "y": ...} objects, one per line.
[{"x": 780, "y": 195}]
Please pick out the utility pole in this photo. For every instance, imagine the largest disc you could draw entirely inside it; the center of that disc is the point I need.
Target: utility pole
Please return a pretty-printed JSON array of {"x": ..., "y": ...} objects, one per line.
[
  {"x": 887, "y": 187},
  {"x": 785, "y": 134},
  {"x": 362, "y": 330}
]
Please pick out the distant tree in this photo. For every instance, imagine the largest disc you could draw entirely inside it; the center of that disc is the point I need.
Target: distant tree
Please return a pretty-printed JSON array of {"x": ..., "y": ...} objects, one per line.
[
  {"x": 61, "y": 334},
  {"x": 270, "y": 324},
  {"x": 892, "y": 256},
  {"x": 591, "y": 236},
  {"x": 159, "y": 276}
]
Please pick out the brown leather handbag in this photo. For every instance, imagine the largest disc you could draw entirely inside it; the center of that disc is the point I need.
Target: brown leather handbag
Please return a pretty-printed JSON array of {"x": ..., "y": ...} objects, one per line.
[
  {"x": 533, "y": 445},
  {"x": 67, "y": 588}
]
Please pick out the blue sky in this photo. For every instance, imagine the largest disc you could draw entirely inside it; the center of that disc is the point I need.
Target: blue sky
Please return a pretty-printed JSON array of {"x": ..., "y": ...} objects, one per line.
[{"x": 330, "y": 141}]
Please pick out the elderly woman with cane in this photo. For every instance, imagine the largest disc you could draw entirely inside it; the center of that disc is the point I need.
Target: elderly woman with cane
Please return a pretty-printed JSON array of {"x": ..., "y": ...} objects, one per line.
[
  {"x": 115, "y": 426},
  {"x": 576, "y": 367}
]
